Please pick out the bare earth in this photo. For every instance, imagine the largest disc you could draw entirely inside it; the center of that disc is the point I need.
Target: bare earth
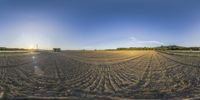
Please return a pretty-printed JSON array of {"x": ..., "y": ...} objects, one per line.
[{"x": 100, "y": 74}]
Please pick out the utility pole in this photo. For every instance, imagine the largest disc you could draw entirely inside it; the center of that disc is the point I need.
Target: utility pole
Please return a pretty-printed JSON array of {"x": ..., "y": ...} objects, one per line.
[{"x": 37, "y": 46}]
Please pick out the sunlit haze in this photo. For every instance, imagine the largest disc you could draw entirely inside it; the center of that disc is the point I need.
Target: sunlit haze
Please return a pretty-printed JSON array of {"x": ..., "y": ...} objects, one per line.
[{"x": 102, "y": 24}]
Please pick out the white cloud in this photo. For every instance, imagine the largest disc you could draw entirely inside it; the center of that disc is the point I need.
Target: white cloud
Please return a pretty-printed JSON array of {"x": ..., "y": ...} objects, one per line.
[
  {"x": 131, "y": 42},
  {"x": 134, "y": 42}
]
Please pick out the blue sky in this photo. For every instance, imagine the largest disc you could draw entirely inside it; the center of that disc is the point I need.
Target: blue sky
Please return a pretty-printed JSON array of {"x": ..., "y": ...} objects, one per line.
[{"x": 99, "y": 24}]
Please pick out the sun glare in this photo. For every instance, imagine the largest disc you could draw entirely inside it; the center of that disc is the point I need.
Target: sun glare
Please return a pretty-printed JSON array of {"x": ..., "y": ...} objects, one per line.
[{"x": 31, "y": 47}]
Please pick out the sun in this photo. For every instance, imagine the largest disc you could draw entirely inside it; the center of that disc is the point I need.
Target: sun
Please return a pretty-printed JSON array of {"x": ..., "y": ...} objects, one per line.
[{"x": 31, "y": 47}]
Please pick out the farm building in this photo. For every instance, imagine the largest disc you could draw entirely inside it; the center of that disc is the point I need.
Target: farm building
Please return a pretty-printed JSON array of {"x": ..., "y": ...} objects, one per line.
[{"x": 56, "y": 49}]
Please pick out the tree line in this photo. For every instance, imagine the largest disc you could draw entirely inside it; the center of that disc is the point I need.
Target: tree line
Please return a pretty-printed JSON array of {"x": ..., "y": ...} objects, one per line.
[
  {"x": 10, "y": 49},
  {"x": 170, "y": 47}
]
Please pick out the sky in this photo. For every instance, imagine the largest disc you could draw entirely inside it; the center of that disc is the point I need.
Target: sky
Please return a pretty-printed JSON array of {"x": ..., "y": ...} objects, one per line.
[{"x": 99, "y": 24}]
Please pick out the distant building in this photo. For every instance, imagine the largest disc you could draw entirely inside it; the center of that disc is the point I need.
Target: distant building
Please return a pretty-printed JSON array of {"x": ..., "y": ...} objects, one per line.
[{"x": 56, "y": 49}]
